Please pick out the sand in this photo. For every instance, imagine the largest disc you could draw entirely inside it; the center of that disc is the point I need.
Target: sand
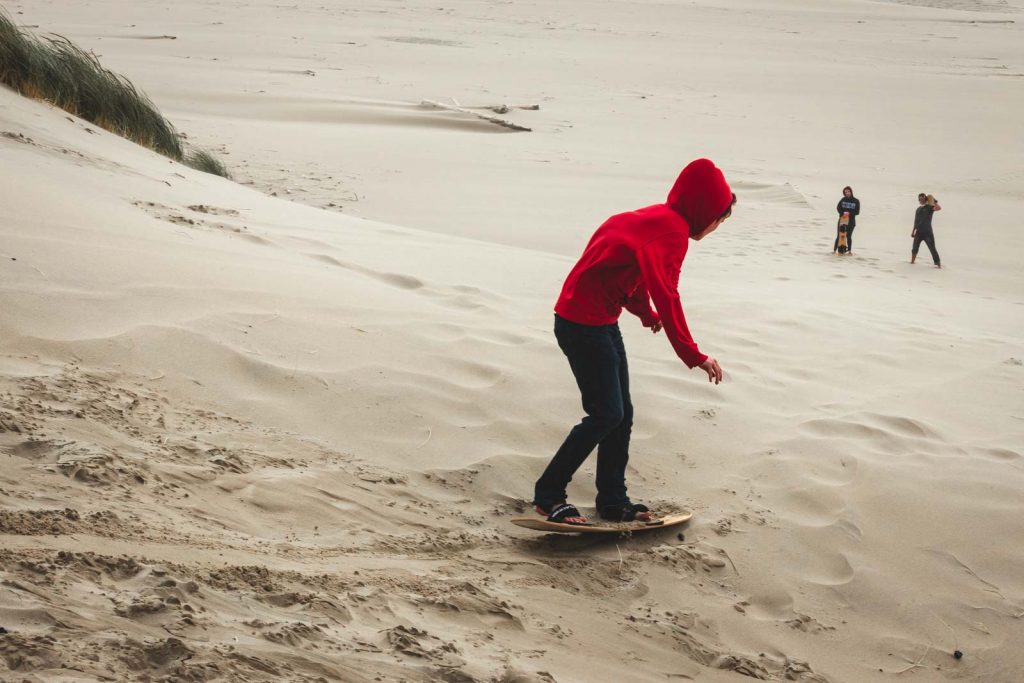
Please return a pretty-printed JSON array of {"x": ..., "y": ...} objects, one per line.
[{"x": 273, "y": 429}]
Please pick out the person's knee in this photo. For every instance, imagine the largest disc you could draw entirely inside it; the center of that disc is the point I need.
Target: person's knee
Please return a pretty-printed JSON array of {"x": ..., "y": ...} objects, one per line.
[{"x": 608, "y": 420}]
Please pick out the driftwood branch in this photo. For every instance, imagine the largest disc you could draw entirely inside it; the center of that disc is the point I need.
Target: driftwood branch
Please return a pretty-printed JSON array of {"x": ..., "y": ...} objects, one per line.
[
  {"x": 500, "y": 109},
  {"x": 506, "y": 108}
]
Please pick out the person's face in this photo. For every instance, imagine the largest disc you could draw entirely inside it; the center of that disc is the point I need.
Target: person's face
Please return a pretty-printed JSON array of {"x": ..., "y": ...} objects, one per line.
[
  {"x": 711, "y": 228},
  {"x": 847, "y": 192},
  {"x": 922, "y": 198}
]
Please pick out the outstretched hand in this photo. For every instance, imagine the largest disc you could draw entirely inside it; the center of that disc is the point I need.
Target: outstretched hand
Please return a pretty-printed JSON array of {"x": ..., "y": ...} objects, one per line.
[{"x": 713, "y": 369}]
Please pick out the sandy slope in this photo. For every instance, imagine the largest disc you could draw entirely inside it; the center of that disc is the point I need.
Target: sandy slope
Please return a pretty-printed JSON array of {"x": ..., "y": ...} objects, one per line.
[{"x": 245, "y": 438}]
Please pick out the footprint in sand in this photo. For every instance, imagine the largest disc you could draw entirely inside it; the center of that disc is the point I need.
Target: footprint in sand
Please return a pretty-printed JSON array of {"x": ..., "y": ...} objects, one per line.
[
  {"x": 811, "y": 507},
  {"x": 885, "y": 432},
  {"x": 41, "y": 451},
  {"x": 828, "y": 569}
]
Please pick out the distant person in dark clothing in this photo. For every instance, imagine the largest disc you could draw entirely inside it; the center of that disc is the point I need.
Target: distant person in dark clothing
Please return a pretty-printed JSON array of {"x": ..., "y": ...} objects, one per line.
[
  {"x": 848, "y": 204},
  {"x": 922, "y": 231}
]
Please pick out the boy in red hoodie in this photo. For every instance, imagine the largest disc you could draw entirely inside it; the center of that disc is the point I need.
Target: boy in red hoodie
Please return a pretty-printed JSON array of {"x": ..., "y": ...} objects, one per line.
[{"x": 633, "y": 258}]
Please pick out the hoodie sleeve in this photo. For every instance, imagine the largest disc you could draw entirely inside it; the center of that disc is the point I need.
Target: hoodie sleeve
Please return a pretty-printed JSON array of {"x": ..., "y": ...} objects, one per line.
[
  {"x": 660, "y": 261},
  {"x": 639, "y": 304},
  {"x": 856, "y": 208},
  {"x": 839, "y": 207}
]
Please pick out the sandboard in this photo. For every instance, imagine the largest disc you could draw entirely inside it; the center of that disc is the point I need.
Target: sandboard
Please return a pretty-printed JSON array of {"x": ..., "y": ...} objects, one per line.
[
  {"x": 601, "y": 527},
  {"x": 844, "y": 226}
]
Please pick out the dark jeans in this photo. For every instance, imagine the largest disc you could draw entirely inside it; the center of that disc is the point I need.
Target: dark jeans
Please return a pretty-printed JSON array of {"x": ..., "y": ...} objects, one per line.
[
  {"x": 597, "y": 358},
  {"x": 928, "y": 237},
  {"x": 849, "y": 239}
]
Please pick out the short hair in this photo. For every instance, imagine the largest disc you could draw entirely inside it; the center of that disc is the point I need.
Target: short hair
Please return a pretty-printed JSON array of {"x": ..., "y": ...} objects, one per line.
[{"x": 728, "y": 211}]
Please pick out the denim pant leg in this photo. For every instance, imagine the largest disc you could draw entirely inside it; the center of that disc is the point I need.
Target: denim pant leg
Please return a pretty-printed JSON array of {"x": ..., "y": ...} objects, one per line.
[
  {"x": 613, "y": 451},
  {"x": 594, "y": 360}
]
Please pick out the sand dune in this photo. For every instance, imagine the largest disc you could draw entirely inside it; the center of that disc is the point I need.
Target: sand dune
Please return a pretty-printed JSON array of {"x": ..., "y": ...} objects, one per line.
[{"x": 273, "y": 430}]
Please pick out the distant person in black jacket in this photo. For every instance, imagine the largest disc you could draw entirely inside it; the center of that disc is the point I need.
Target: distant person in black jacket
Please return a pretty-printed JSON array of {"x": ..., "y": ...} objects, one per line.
[
  {"x": 850, "y": 204},
  {"x": 922, "y": 231}
]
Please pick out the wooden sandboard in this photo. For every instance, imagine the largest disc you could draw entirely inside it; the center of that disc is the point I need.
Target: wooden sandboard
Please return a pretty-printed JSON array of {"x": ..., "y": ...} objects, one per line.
[
  {"x": 844, "y": 226},
  {"x": 601, "y": 527}
]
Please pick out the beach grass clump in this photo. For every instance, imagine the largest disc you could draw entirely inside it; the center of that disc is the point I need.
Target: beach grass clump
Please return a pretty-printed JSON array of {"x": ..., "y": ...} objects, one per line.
[
  {"x": 201, "y": 160},
  {"x": 55, "y": 70}
]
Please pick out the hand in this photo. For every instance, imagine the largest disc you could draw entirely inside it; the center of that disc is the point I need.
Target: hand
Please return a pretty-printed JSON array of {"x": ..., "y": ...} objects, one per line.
[
  {"x": 656, "y": 327},
  {"x": 713, "y": 369},
  {"x": 913, "y": 233}
]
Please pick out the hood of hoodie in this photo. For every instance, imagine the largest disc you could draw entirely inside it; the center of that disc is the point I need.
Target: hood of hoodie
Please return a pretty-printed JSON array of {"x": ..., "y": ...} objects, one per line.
[{"x": 700, "y": 194}]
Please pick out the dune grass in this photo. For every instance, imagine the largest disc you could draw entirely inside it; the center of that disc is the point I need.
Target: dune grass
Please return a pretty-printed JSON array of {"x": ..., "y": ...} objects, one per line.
[
  {"x": 55, "y": 70},
  {"x": 201, "y": 160}
]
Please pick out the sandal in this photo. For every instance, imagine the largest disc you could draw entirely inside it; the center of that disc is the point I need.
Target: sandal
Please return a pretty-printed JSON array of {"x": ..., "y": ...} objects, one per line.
[
  {"x": 562, "y": 513},
  {"x": 626, "y": 512}
]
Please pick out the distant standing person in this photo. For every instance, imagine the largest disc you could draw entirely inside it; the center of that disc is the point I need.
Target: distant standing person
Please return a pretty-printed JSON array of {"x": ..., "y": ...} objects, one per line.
[
  {"x": 849, "y": 204},
  {"x": 922, "y": 231}
]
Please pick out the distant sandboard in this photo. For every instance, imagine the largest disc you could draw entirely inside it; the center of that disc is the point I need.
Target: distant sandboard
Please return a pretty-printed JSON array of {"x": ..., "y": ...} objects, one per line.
[
  {"x": 601, "y": 527},
  {"x": 844, "y": 227}
]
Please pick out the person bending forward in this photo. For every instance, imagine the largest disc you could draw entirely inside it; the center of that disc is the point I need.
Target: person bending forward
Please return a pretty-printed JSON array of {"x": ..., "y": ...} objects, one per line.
[{"x": 632, "y": 259}]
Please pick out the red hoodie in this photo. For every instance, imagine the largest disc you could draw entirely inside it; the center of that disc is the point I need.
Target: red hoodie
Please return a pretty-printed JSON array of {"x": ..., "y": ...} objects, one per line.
[{"x": 636, "y": 256}]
